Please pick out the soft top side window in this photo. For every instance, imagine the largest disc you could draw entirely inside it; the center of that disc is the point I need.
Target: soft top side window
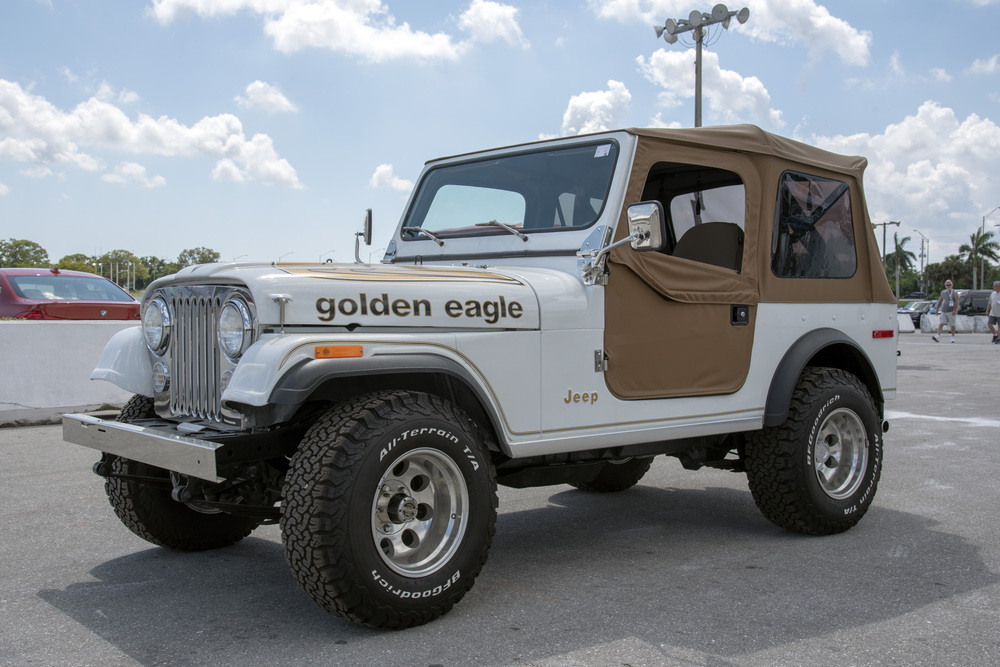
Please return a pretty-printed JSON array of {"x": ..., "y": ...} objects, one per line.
[
  {"x": 705, "y": 208},
  {"x": 813, "y": 228}
]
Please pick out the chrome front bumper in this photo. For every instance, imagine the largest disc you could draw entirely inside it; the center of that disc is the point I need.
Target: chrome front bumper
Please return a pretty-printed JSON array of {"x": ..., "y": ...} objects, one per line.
[{"x": 156, "y": 447}]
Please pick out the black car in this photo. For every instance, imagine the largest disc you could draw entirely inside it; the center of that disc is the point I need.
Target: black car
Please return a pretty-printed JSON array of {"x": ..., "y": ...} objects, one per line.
[
  {"x": 973, "y": 301},
  {"x": 915, "y": 309}
]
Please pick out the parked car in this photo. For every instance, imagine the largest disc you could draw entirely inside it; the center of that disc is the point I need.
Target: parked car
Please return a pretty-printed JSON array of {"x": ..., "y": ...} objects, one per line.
[
  {"x": 915, "y": 309},
  {"x": 973, "y": 301},
  {"x": 55, "y": 294},
  {"x": 916, "y": 295}
]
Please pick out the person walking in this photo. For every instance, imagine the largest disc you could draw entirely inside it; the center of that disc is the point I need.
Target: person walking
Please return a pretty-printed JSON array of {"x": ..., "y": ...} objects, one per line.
[
  {"x": 947, "y": 308},
  {"x": 993, "y": 312}
]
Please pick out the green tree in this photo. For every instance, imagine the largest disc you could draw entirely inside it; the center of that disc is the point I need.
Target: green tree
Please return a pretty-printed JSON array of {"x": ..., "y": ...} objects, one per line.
[
  {"x": 119, "y": 265},
  {"x": 981, "y": 245},
  {"x": 156, "y": 267},
  {"x": 22, "y": 253},
  {"x": 78, "y": 262},
  {"x": 197, "y": 256},
  {"x": 953, "y": 268},
  {"x": 906, "y": 259}
]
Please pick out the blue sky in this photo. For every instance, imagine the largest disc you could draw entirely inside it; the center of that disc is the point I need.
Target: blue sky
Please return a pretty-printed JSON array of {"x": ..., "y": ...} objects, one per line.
[{"x": 264, "y": 128}]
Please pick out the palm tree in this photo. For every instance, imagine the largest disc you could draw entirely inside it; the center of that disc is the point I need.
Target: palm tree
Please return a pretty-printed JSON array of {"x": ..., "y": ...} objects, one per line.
[
  {"x": 980, "y": 245},
  {"x": 901, "y": 256}
]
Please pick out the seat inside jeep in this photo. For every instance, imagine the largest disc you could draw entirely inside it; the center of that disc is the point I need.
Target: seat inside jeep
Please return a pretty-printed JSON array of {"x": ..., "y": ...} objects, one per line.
[{"x": 704, "y": 208}]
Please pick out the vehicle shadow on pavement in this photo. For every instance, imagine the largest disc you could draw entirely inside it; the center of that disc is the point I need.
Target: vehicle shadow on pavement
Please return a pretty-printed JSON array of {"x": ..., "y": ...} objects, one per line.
[{"x": 693, "y": 568}]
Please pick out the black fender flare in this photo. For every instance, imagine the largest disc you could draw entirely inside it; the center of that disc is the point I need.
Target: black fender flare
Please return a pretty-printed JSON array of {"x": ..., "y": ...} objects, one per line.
[
  {"x": 841, "y": 352},
  {"x": 305, "y": 378}
]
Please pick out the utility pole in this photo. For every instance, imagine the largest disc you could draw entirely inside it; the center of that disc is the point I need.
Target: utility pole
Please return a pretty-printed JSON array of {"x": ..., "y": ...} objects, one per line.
[
  {"x": 982, "y": 260},
  {"x": 883, "y": 226},
  {"x": 923, "y": 257},
  {"x": 696, "y": 23}
]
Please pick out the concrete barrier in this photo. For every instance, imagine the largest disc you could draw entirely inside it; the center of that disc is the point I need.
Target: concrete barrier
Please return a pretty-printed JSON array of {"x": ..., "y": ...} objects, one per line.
[
  {"x": 46, "y": 365},
  {"x": 963, "y": 324},
  {"x": 905, "y": 323}
]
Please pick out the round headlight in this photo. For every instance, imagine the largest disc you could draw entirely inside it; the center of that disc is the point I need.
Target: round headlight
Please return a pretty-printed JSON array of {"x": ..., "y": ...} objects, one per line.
[
  {"x": 235, "y": 328},
  {"x": 156, "y": 325}
]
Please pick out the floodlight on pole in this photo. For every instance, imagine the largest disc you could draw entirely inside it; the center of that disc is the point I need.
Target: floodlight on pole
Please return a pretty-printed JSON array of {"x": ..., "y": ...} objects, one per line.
[{"x": 697, "y": 24}]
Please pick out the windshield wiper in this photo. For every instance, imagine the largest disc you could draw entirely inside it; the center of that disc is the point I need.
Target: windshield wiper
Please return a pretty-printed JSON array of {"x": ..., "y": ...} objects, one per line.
[
  {"x": 420, "y": 230},
  {"x": 494, "y": 223}
]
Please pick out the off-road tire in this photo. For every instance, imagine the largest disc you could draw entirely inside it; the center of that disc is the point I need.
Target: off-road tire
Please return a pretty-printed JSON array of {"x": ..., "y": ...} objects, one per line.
[
  {"x": 617, "y": 475},
  {"x": 150, "y": 512},
  {"x": 831, "y": 414},
  {"x": 389, "y": 508}
]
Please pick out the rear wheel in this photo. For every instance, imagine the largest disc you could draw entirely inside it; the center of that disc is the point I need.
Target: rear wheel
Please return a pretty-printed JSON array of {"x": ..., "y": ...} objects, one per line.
[
  {"x": 818, "y": 472},
  {"x": 389, "y": 510},
  {"x": 146, "y": 508}
]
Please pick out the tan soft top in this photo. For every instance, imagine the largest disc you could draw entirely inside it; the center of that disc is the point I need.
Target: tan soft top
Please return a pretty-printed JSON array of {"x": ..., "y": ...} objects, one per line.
[{"x": 752, "y": 139}]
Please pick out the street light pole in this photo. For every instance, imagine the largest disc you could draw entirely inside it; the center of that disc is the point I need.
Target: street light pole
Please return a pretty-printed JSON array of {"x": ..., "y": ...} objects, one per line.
[
  {"x": 923, "y": 257},
  {"x": 982, "y": 260},
  {"x": 696, "y": 23}
]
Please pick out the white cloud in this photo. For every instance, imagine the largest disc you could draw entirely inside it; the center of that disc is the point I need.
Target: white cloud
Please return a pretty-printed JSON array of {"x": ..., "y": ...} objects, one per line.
[
  {"x": 36, "y": 172},
  {"x": 940, "y": 74},
  {"x": 728, "y": 97},
  {"x": 598, "y": 110},
  {"x": 226, "y": 170},
  {"x": 988, "y": 66},
  {"x": 4, "y": 190},
  {"x": 384, "y": 178},
  {"x": 68, "y": 74},
  {"x": 362, "y": 28},
  {"x": 129, "y": 172},
  {"x": 488, "y": 21},
  {"x": 38, "y": 132},
  {"x": 933, "y": 171},
  {"x": 801, "y": 22},
  {"x": 264, "y": 96}
]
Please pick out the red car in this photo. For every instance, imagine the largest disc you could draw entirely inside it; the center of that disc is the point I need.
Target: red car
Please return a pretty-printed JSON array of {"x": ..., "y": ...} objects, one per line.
[{"x": 54, "y": 294}]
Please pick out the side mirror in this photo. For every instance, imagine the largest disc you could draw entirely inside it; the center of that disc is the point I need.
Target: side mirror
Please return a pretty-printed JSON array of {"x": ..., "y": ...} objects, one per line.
[
  {"x": 365, "y": 234},
  {"x": 368, "y": 227},
  {"x": 647, "y": 225}
]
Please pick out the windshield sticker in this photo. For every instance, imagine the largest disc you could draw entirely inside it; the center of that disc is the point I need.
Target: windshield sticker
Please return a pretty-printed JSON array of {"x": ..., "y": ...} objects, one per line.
[{"x": 603, "y": 151}]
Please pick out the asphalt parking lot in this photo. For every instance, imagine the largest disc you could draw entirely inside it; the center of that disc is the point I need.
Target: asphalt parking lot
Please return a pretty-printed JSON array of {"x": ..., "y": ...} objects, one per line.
[{"x": 680, "y": 570}]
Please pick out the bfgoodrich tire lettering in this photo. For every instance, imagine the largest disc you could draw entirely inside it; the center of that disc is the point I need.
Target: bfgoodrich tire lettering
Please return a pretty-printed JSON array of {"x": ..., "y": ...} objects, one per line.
[
  {"x": 150, "y": 512},
  {"x": 389, "y": 509},
  {"x": 817, "y": 473}
]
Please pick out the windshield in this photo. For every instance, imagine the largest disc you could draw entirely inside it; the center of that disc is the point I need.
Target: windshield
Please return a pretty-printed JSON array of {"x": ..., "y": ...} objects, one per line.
[{"x": 544, "y": 190}]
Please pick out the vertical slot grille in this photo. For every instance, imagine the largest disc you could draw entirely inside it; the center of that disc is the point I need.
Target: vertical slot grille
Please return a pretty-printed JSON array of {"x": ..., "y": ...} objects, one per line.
[{"x": 195, "y": 385}]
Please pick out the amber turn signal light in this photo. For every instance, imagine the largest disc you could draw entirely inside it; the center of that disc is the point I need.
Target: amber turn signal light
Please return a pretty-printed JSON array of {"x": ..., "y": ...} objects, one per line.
[{"x": 339, "y": 351}]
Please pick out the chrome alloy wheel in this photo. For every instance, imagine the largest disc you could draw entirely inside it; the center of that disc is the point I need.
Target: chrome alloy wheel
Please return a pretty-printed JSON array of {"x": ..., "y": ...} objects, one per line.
[
  {"x": 841, "y": 453},
  {"x": 420, "y": 512}
]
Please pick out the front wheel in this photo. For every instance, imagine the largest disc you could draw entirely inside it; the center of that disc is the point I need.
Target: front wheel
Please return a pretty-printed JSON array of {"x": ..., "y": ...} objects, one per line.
[
  {"x": 389, "y": 509},
  {"x": 140, "y": 495},
  {"x": 818, "y": 472}
]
